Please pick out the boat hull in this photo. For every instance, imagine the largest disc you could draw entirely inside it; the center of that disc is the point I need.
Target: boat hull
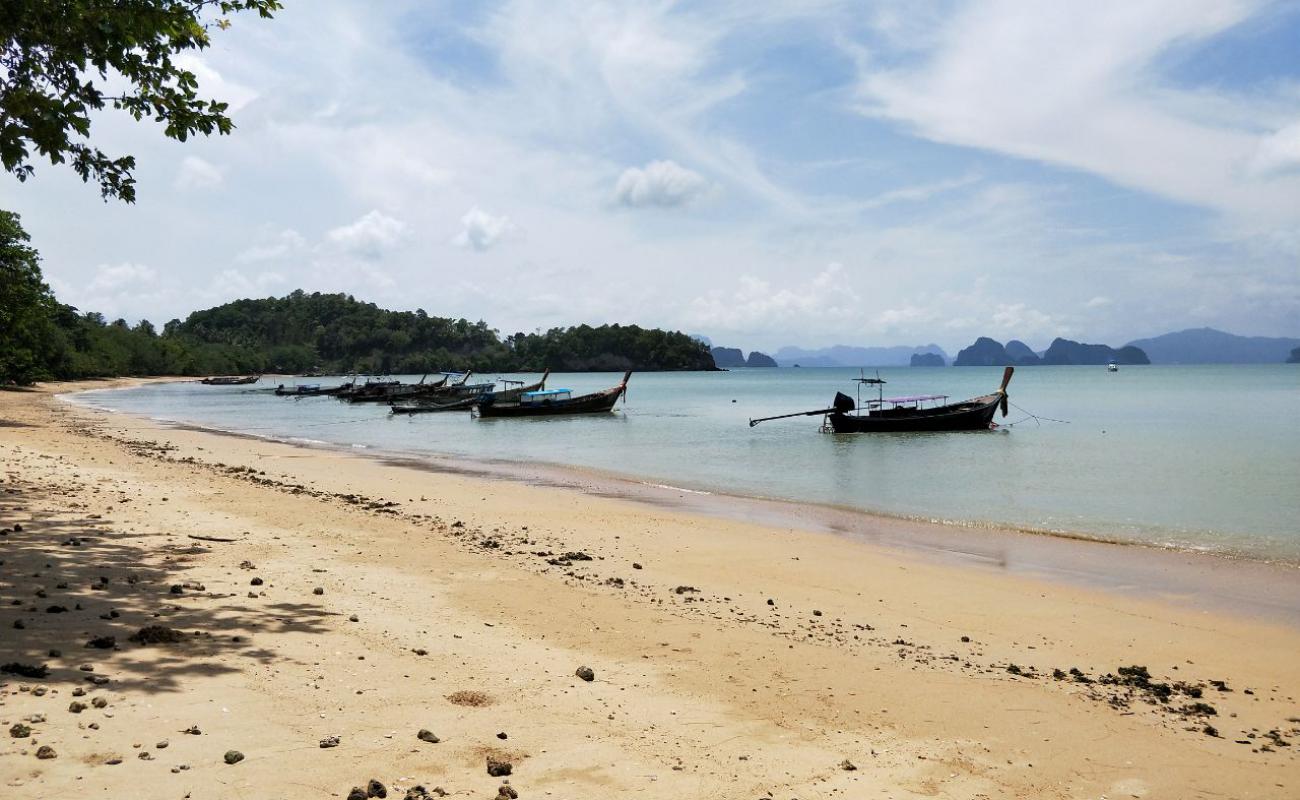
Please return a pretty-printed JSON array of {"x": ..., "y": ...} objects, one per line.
[
  {"x": 588, "y": 404},
  {"x": 971, "y": 415}
]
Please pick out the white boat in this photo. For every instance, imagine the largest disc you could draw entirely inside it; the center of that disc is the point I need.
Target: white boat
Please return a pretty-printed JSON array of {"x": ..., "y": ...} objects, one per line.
[{"x": 1111, "y": 366}]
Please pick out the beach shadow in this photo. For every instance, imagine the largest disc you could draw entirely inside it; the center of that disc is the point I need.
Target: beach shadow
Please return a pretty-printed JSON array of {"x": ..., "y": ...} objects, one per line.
[{"x": 65, "y": 583}]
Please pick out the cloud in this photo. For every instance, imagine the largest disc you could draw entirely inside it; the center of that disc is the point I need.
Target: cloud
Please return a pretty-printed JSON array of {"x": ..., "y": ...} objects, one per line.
[
  {"x": 828, "y": 301},
  {"x": 231, "y": 283},
  {"x": 195, "y": 173},
  {"x": 1278, "y": 152},
  {"x": 481, "y": 230},
  {"x": 213, "y": 84},
  {"x": 285, "y": 243},
  {"x": 1018, "y": 319},
  {"x": 370, "y": 236},
  {"x": 664, "y": 184},
  {"x": 1078, "y": 87},
  {"x": 1098, "y": 302},
  {"x": 112, "y": 277}
]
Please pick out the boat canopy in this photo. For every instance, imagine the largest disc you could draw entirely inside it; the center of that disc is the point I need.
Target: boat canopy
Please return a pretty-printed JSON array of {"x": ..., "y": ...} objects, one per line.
[
  {"x": 543, "y": 395},
  {"x": 914, "y": 398}
]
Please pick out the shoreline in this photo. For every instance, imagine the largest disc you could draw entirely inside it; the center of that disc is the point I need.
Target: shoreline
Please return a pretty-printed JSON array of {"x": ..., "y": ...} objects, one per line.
[
  {"x": 1212, "y": 580},
  {"x": 321, "y": 613}
]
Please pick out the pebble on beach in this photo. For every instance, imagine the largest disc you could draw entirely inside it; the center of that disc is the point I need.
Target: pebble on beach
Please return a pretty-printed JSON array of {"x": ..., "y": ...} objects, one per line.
[
  {"x": 498, "y": 768},
  {"x": 45, "y": 751},
  {"x": 234, "y": 756},
  {"x": 426, "y": 735},
  {"x": 586, "y": 673}
]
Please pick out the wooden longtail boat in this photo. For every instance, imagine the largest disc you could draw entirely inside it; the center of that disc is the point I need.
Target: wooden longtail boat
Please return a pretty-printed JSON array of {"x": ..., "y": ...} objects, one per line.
[
  {"x": 312, "y": 390},
  {"x": 554, "y": 402},
  {"x": 517, "y": 389},
  {"x": 231, "y": 380},
  {"x": 387, "y": 391},
  {"x": 906, "y": 414},
  {"x": 430, "y": 407}
]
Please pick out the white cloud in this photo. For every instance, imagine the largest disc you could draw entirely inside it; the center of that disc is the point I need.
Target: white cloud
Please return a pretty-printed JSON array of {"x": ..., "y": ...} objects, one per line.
[
  {"x": 195, "y": 173},
  {"x": 1278, "y": 152},
  {"x": 665, "y": 184},
  {"x": 1021, "y": 321},
  {"x": 213, "y": 85},
  {"x": 1098, "y": 302},
  {"x": 285, "y": 243},
  {"x": 370, "y": 236},
  {"x": 112, "y": 277},
  {"x": 481, "y": 230},
  {"x": 827, "y": 302},
  {"x": 231, "y": 283}
]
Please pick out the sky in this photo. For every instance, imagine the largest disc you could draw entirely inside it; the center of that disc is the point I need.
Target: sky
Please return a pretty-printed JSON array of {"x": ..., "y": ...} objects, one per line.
[{"x": 807, "y": 172}]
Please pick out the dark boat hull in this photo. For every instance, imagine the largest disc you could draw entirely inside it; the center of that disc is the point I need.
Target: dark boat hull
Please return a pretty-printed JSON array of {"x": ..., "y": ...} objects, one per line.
[
  {"x": 432, "y": 408},
  {"x": 971, "y": 415},
  {"x": 595, "y": 403},
  {"x": 228, "y": 380}
]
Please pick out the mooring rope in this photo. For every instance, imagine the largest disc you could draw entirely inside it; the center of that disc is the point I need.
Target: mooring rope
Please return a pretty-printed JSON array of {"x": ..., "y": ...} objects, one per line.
[{"x": 1028, "y": 416}]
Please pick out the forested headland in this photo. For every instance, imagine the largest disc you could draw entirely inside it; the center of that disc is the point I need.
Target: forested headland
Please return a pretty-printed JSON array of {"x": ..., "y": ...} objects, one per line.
[{"x": 43, "y": 339}]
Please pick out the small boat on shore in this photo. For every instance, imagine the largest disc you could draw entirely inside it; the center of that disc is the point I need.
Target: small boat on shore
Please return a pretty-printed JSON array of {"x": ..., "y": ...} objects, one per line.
[
  {"x": 555, "y": 402},
  {"x": 906, "y": 414},
  {"x": 230, "y": 380}
]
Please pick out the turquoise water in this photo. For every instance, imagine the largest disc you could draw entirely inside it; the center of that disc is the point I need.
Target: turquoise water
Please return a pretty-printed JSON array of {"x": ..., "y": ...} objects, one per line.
[{"x": 1202, "y": 458}]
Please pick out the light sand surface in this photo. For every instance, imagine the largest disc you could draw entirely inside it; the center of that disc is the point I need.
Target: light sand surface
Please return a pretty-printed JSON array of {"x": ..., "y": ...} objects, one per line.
[{"x": 464, "y": 606}]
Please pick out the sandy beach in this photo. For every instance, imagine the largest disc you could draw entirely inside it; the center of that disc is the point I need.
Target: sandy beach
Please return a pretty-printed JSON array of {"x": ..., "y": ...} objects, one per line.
[{"x": 172, "y": 600}]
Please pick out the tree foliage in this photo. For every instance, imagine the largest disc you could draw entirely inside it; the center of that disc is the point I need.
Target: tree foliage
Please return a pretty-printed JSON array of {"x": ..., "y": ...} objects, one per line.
[
  {"x": 26, "y": 307},
  {"x": 331, "y": 333},
  {"x": 58, "y": 59}
]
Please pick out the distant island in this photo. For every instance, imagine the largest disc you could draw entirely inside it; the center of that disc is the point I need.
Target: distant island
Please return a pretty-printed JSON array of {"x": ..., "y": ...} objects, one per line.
[
  {"x": 733, "y": 357},
  {"x": 1294, "y": 358},
  {"x": 1210, "y": 346},
  {"x": 927, "y": 360},
  {"x": 986, "y": 352}
]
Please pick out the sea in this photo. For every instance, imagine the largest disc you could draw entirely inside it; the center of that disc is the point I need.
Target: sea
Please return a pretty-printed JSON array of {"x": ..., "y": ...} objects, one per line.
[{"x": 1202, "y": 458}]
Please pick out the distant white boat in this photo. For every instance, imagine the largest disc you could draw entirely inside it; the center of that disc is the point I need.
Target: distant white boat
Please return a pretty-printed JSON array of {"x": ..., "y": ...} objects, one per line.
[{"x": 1111, "y": 366}]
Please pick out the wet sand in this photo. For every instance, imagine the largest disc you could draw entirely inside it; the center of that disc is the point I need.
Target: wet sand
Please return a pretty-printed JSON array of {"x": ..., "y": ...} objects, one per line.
[{"x": 888, "y": 662}]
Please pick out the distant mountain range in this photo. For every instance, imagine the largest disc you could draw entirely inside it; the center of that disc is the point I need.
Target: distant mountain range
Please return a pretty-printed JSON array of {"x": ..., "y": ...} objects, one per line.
[
  {"x": 1192, "y": 346},
  {"x": 845, "y": 356},
  {"x": 986, "y": 352},
  {"x": 1209, "y": 346}
]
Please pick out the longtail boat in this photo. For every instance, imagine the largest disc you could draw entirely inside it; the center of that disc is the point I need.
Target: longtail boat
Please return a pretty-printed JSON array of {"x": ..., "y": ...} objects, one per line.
[
  {"x": 516, "y": 389},
  {"x": 906, "y": 414},
  {"x": 554, "y": 402},
  {"x": 312, "y": 390},
  {"x": 387, "y": 391},
  {"x": 430, "y": 407},
  {"x": 230, "y": 380}
]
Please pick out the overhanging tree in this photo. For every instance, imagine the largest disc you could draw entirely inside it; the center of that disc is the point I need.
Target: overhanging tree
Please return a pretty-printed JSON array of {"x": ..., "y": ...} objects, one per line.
[{"x": 58, "y": 59}]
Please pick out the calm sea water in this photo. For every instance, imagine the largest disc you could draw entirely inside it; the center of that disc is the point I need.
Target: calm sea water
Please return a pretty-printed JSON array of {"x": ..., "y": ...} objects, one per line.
[{"x": 1190, "y": 457}]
